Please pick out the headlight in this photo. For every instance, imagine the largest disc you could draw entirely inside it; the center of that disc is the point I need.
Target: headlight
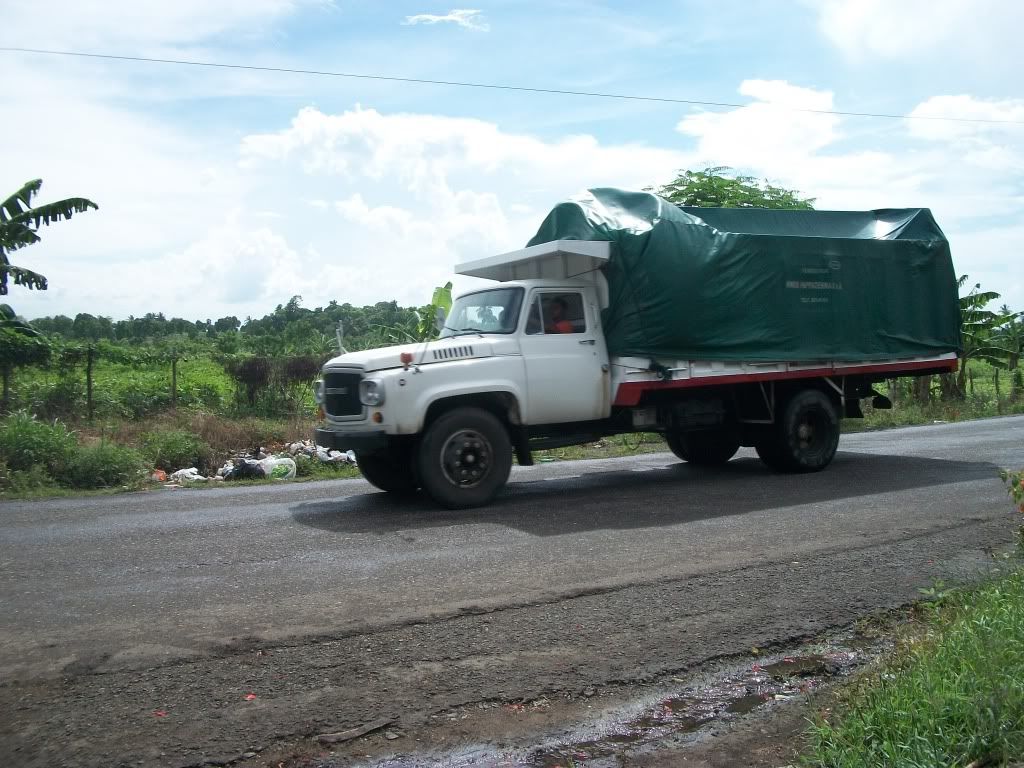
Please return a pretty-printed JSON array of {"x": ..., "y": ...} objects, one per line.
[
  {"x": 371, "y": 392},
  {"x": 318, "y": 392}
]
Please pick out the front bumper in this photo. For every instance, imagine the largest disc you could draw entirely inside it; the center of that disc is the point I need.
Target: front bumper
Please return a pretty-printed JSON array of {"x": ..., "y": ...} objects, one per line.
[{"x": 360, "y": 442}]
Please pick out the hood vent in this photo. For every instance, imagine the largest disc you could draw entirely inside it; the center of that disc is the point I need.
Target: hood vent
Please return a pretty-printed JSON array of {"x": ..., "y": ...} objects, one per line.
[{"x": 453, "y": 353}]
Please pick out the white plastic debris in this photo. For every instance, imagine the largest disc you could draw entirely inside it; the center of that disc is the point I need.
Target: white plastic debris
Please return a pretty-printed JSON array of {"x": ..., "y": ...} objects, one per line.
[
  {"x": 187, "y": 475},
  {"x": 278, "y": 468}
]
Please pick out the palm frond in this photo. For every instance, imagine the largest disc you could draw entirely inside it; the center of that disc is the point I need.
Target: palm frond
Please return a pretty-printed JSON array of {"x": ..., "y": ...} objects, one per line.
[
  {"x": 50, "y": 212},
  {"x": 15, "y": 235},
  {"x": 24, "y": 277},
  {"x": 20, "y": 200}
]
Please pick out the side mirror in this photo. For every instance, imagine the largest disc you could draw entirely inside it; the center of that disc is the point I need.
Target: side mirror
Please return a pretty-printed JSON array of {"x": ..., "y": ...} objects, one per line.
[{"x": 439, "y": 318}]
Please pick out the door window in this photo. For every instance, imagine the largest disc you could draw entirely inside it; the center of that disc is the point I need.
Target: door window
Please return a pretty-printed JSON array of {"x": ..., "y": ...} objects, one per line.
[{"x": 554, "y": 313}]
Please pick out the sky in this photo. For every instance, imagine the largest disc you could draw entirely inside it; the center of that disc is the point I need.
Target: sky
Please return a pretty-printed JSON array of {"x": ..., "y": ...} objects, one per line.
[{"x": 228, "y": 191}]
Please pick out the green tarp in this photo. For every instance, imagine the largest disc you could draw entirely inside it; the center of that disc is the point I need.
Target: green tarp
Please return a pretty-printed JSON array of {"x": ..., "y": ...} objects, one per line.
[{"x": 760, "y": 284}]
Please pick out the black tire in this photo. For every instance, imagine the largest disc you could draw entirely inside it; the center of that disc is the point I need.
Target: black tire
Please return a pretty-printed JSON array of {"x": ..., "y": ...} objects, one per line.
[
  {"x": 768, "y": 451},
  {"x": 806, "y": 436},
  {"x": 464, "y": 458},
  {"x": 392, "y": 471},
  {"x": 705, "y": 448}
]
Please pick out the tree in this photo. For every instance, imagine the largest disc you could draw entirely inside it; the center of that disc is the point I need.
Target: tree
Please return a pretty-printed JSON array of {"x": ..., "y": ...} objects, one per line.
[
  {"x": 19, "y": 222},
  {"x": 978, "y": 333},
  {"x": 20, "y": 345},
  {"x": 719, "y": 187}
]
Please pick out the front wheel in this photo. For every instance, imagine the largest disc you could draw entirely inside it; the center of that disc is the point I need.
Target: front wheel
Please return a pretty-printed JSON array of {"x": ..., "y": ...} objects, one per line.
[
  {"x": 806, "y": 437},
  {"x": 391, "y": 471},
  {"x": 464, "y": 458}
]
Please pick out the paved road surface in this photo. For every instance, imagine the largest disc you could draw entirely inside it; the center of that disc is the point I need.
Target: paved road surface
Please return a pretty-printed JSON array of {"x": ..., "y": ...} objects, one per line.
[{"x": 339, "y": 603}]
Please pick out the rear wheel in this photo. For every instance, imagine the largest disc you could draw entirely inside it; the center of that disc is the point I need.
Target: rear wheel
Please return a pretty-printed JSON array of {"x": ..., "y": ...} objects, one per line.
[
  {"x": 806, "y": 436},
  {"x": 391, "y": 471},
  {"x": 464, "y": 458},
  {"x": 704, "y": 448}
]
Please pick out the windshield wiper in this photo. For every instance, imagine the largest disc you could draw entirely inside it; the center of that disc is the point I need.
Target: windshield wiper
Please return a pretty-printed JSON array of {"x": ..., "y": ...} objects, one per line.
[{"x": 464, "y": 332}]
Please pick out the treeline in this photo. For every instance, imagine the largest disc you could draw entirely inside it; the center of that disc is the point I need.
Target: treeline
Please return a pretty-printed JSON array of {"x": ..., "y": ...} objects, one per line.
[{"x": 290, "y": 329}]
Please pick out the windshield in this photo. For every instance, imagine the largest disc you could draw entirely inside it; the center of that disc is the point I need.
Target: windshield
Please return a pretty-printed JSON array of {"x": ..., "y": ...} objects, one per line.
[{"x": 494, "y": 311}]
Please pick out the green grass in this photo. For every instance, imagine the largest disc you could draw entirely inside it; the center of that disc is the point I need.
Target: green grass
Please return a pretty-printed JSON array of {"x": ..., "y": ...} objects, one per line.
[{"x": 952, "y": 694}]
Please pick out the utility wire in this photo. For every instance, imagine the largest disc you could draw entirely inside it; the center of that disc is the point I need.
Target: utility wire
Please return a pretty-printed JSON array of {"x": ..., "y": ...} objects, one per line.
[{"x": 500, "y": 87}]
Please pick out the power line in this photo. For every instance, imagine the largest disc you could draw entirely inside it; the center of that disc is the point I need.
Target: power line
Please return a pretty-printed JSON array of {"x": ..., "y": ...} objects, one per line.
[{"x": 500, "y": 87}]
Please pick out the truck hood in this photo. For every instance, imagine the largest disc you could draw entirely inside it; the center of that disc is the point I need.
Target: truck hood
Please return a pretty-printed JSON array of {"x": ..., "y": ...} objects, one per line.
[{"x": 424, "y": 353}]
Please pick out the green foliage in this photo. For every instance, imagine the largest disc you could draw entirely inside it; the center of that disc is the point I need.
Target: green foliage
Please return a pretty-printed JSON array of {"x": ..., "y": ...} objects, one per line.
[
  {"x": 25, "y": 482},
  {"x": 174, "y": 449},
  {"x": 719, "y": 187},
  {"x": 952, "y": 697},
  {"x": 20, "y": 343},
  {"x": 26, "y": 442},
  {"x": 307, "y": 467},
  {"x": 19, "y": 222},
  {"x": 103, "y": 465},
  {"x": 1015, "y": 487}
]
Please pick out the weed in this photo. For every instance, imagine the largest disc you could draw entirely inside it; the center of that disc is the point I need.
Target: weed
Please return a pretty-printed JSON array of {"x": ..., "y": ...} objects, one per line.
[
  {"x": 950, "y": 696},
  {"x": 314, "y": 469},
  {"x": 26, "y": 442},
  {"x": 25, "y": 482},
  {"x": 103, "y": 465},
  {"x": 174, "y": 449}
]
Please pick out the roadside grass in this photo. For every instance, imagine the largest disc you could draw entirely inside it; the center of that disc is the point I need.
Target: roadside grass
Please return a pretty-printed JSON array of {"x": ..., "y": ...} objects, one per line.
[
  {"x": 952, "y": 691},
  {"x": 951, "y": 694}
]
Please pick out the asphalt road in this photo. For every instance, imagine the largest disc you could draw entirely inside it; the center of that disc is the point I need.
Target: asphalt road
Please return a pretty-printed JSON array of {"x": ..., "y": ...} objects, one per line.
[{"x": 339, "y": 603}]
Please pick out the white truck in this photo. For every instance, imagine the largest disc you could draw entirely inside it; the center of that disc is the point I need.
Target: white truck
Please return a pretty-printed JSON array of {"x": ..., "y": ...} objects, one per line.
[{"x": 524, "y": 365}]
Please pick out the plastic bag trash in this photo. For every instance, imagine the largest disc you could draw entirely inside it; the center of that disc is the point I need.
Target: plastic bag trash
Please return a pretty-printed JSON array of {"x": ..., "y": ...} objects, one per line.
[
  {"x": 159, "y": 476},
  {"x": 187, "y": 475},
  {"x": 243, "y": 469},
  {"x": 351, "y": 457},
  {"x": 323, "y": 454},
  {"x": 278, "y": 469}
]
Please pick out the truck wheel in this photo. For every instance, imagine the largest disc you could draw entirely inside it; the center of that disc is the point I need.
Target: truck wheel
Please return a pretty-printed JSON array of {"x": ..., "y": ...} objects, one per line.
[
  {"x": 703, "y": 448},
  {"x": 807, "y": 435},
  {"x": 391, "y": 472},
  {"x": 465, "y": 456}
]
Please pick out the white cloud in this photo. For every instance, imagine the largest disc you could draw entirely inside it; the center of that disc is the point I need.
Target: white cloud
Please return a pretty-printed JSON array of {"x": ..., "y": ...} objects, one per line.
[
  {"x": 767, "y": 129},
  {"x": 967, "y": 107},
  {"x": 467, "y": 18},
  {"x": 92, "y": 23},
  {"x": 908, "y": 28}
]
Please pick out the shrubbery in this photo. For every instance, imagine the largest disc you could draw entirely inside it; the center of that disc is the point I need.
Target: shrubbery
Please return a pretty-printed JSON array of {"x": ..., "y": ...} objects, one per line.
[
  {"x": 26, "y": 442},
  {"x": 36, "y": 454},
  {"x": 103, "y": 465},
  {"x": 175, "y": 449}
]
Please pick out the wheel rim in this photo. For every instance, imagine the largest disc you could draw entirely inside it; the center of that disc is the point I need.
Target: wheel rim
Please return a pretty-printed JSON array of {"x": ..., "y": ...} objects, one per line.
[
  {"x": 466, "y": 458},
  {"x": 812, "y": 433}
]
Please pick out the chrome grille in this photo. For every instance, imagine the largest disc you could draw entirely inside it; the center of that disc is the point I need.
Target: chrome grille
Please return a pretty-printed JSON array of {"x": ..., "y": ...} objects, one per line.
[{"x": 341, "y": 394}]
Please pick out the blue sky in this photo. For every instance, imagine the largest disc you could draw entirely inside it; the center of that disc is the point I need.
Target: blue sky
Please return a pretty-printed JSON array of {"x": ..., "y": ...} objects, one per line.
[{"x": 226, "y": 192}]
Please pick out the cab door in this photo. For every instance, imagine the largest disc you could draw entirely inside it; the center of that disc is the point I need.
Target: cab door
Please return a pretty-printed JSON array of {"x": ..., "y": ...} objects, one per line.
[{"x": 566, "y": 358}]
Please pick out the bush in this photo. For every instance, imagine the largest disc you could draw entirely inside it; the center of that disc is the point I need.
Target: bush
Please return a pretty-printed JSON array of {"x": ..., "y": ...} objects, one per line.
[
  {"x": 175, "y": 449},
  {"x": 103, "y": 465},
  {"x": 26, "y": 443},
  {"x": 23, "y": 482}
]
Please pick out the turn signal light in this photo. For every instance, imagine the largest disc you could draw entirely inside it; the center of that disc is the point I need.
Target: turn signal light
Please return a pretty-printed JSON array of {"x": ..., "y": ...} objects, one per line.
[
  {"x": 377, "y": 418},
  {"x": 406, "y": 358}
]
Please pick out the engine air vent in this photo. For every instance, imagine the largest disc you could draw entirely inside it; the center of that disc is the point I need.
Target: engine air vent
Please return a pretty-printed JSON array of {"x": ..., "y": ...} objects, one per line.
[{"x": 453, "y": 353}]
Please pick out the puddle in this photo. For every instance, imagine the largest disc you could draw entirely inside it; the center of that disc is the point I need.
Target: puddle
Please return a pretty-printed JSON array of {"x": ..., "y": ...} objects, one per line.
[{"x": 678, "y": 711}]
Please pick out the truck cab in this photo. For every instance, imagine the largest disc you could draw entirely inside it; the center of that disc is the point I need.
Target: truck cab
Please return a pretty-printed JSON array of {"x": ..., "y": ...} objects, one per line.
[{"x": 528, "y": 352}]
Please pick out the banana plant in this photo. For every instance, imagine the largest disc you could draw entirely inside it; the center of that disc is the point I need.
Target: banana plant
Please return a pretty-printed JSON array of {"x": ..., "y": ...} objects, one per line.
[{"x": 19, "y": 223}]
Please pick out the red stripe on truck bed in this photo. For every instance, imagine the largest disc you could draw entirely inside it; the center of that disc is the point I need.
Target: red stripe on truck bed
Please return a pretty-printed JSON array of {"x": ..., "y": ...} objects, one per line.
[{"x": 630, "y": 392}]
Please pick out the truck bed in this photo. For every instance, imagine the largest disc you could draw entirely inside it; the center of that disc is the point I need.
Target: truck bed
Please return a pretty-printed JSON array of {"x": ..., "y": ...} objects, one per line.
[{"x": 632, "y": 376}]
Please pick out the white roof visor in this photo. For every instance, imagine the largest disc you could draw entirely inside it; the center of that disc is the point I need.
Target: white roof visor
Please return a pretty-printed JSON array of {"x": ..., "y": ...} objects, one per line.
[{"x": 557, "y": 260}]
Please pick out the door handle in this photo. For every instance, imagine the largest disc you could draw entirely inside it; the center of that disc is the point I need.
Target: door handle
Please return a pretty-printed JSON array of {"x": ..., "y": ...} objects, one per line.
[{"x": 588, "y": 341}]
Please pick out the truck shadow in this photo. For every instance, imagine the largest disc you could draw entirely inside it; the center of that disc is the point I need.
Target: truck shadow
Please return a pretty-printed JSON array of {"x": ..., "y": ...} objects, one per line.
[{"x": 662, "y": 496}]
